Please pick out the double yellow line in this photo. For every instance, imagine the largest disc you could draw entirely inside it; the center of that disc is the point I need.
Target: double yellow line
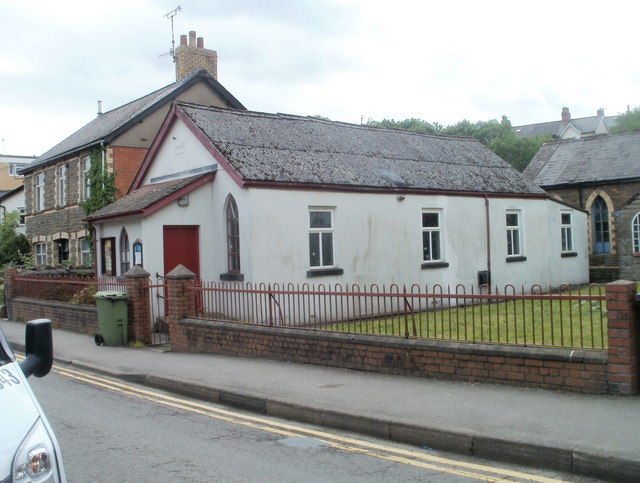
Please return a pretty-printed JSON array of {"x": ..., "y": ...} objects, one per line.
[{"x": 390, "y": 453}]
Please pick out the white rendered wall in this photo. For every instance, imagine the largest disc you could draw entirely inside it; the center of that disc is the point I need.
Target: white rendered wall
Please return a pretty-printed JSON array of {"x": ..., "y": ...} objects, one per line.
[
  {"x": 377, "y": 237},
  {"x": 179, "y": 153}
]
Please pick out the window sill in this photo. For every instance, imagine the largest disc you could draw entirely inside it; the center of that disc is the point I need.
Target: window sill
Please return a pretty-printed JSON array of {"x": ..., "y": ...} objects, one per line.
[
  {"x": 516, "y": 259},
  {"x": 323, "y": 272},
  {"x": 428, "y": 265},
  {"x": 568, "y": 254},
  {"x": 232, "y": 277}
]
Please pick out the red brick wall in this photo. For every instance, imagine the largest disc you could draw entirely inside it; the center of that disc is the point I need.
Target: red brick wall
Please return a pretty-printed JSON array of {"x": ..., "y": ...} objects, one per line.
[
  {"x": 79, "y": 318},
  {"x": 580, "y": 371},
  {"x": 126, "y": 162},
  {"x": 624, "y": 337}
]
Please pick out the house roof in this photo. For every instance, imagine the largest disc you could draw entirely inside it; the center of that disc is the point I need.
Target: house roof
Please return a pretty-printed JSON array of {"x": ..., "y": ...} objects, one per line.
[
  {"x": 584, "y": 125},
  {"x": 111, "y": 124},
  {"x": 292, "y": 150},
  {"x": 150, "y": 198},
  {"x": 594, "y": 159},
  {"x": 9, "y": 194}
]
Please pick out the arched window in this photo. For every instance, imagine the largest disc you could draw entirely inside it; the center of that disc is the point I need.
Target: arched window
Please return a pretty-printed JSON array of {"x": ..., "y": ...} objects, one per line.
[
  {"x": 125, "y": 262},
  {"x": 600, "y": 221},
  {"x": 233, "y": 236},
  {"x": 635, "y": 233}
]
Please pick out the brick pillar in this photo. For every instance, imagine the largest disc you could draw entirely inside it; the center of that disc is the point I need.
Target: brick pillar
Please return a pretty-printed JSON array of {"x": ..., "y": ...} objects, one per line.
[
  {"x": 624, "y": 340},
  {"x": 139, "y": 310},
  {"x": 9, "y": 274},
  {"x": 180, "y": 299}
]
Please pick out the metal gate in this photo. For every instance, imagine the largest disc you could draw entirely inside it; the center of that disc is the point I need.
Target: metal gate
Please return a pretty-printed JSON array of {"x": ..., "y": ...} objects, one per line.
[{"x": 157, "y": 299}]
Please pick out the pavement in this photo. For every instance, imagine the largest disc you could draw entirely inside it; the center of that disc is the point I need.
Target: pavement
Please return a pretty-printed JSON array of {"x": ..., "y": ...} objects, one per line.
[{"x": 596, "y": 436}]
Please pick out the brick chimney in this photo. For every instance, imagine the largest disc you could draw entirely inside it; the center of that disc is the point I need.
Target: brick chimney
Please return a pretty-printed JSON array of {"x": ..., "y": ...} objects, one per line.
[
  {"x": 600, "y": 112},
  {"x": 193, "y": 56},
  {"x": 566, "y": 115}
]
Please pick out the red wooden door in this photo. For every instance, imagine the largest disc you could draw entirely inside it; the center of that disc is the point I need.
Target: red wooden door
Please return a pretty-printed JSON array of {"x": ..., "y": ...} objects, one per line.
[{"x": 182, "y": 246}]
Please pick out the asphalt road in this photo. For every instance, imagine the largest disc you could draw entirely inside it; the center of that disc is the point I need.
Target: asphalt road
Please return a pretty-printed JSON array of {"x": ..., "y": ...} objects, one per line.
[{"x": 114, "y": 431}]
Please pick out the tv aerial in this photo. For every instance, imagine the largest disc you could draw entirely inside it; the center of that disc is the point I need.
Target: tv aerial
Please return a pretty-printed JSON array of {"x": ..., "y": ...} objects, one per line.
[{"x": 170, "y": 16}]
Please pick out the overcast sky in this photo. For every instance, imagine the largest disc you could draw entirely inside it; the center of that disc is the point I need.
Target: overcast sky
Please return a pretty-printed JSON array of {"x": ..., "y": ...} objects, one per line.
[{"x": 349, "y": 60}]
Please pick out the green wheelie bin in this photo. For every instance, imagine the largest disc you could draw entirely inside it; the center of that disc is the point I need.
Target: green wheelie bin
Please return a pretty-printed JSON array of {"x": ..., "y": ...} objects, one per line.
[{"x": 112, "y": 318}]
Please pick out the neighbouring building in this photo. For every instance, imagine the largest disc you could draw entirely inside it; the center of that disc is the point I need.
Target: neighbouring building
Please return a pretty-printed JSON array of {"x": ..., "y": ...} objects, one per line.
[
  {"x": 58, "y": 182},
  {"x": 600, "y": 174},
  {"x": 247, "y": 196},
  {"x": 10, "y": 166},
  {"x": 568, "y": 128},
  {"x": 12, "y": 201}
]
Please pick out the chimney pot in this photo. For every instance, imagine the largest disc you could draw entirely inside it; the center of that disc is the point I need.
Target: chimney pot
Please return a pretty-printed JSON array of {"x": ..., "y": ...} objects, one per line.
[
  {"x": 193, "y": 56},
  {"x": 99, "y": 108}
]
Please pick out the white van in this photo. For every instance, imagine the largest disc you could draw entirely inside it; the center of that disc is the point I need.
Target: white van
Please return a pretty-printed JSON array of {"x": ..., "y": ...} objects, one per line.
[{"x": 29, "y": 451}]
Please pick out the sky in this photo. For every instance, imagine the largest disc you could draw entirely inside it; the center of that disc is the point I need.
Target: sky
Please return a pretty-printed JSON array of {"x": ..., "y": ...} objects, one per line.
[{"x": 348, "y": 60}]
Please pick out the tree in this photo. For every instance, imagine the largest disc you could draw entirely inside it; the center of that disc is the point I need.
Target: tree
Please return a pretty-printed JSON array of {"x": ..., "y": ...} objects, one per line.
[
  {"x": 102, "y": 187},
  {"x": 629, "y": 121},
  {"x": 497, "y": 136},
  {"x": 14, "y": 246},
  {"x": 516, "y": 151},
  {"x": 412, "y": 124}
]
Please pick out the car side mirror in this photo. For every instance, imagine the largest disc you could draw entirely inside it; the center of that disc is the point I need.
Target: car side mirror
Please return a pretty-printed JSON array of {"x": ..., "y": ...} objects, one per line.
[{"x": 39, "y": 348}]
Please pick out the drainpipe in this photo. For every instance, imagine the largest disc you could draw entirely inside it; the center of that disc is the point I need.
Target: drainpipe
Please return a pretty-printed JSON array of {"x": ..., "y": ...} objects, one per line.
[
  {"x": 488, "y": 232},
  {"x": 580, "y": 199},
  {"x": 92, "y": 230},
  {"x": 103, "y": 153}
]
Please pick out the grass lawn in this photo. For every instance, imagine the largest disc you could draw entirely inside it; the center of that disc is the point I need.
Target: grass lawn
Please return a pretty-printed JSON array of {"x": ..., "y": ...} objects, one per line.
[{"x": 562, "y": 322}]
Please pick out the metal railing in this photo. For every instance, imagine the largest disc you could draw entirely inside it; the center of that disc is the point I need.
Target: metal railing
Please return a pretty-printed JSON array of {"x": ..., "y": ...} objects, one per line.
[
  {"x": 72, "y": 289},
  {"x": 563, "y": 317}
]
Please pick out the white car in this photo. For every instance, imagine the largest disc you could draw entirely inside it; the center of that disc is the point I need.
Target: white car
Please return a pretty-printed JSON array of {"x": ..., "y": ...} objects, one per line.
[{"x": 29, "y": 450}]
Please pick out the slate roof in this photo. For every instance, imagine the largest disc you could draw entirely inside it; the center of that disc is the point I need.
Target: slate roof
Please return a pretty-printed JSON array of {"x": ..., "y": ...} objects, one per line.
[
  {"x": 593, "y": 159},
  {"x": 282, "y": 148},
  {"x": 113, "y": 123},
  {"x": 585, "y": 125},
  {"x": 143, "y": 198},
  {"x": 7, "y": 194}
]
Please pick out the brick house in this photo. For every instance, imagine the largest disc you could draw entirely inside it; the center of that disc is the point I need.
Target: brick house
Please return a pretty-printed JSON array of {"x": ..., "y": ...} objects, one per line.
[
  {"x": 600, "y": 174},
  {"x": 57, "y": 183}
]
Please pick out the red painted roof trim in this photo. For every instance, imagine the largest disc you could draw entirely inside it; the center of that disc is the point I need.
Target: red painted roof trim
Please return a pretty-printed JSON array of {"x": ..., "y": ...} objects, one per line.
[
  {"x": 395, "y": 191},
  {"x": 174, "y": 114},
  {"x": 153, "y": 150},
  {"x": 209, "y": 146},
  {"x": 158, "y": 205}
]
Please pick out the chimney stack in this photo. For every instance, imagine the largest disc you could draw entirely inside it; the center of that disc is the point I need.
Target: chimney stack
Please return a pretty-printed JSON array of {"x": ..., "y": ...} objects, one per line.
[
  {"x": 600, "y": 112},
  {"x": 193, "y": 56},
  {"x": 566, "y": 115}
]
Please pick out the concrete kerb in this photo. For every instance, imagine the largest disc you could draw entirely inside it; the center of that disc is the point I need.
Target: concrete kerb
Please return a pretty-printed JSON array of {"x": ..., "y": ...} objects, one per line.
[
  {"x": 578, "y": 461},
  {"x": 607, "y": 467}
]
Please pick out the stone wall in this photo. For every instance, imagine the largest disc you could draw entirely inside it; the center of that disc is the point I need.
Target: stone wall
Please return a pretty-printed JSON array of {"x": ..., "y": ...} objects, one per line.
[
  {"x": 56, "y": 222},
  {"x": 606, "y": 267},
  {"x": 629, "y": 262}
]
